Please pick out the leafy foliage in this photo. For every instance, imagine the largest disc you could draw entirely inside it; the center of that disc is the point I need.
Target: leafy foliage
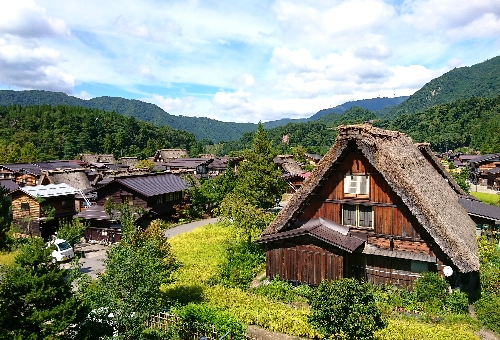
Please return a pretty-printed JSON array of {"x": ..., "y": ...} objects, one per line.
[
  {"x": 258, "y": 181},
  {"x": 244, "y": 261},
  {"x": 202, "y": 318},
  {"x": 36, "y": 298},
  {"x": 487, "y": 309},
  {"x": 61, "y": 132},
  {"x": 71, "y": 231},
  {"x": 145, "y": 164},
  {"x": 345, "y": 309},
  {"x": 129, "y": 289},
  {"x": 430, "y": 286},
  {"x": 278, "y": 290}
]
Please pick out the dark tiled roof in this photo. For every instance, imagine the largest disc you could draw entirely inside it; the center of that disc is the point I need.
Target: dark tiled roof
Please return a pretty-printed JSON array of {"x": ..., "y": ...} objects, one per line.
[
  {"x": 53, "y": 165},
  {"x": 322, "y": 229},
  {"x": 480, "y": 209},
  {"x": 188, "y": 162},
  {"x": 485, "y": 158},
  {"x": 9, "y": 185},
  {"x": 94, "y": 212},
  {"x": 28, "y": 168},
  {"x": 154, "y": 184},
  {"x": 493, "y": 171}
]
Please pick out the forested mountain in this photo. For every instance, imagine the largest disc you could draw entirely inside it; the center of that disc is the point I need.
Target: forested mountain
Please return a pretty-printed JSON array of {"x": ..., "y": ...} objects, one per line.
[
  {"x": 37, "y": 133},
  {"x": 374, "y": 104},
  {"x": 480, "y": 80},
  {"x": 202, "y": 128}
]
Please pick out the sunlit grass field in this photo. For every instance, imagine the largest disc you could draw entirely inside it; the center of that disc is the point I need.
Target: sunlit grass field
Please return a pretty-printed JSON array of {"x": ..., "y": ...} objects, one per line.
[{"x": 484, "y": 197}]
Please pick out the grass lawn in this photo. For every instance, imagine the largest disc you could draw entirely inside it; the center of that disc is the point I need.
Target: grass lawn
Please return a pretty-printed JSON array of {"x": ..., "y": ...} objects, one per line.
[
  {"x": 492, "y": 199},
  {"x": 7, "y": 258},
  {"x": 203, "y": 249}
]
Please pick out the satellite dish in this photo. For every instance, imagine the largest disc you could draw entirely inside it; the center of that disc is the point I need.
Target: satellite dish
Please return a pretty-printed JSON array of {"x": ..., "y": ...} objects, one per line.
[{"x": 447, "y": 271}]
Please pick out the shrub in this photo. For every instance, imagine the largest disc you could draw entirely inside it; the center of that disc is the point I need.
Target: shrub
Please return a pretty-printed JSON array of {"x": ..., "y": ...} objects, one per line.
[
  {"x": 278, "y": 290},
  {"x": 71, "y": 231},
  {"x": 244, "y": 261},
  {"x": 345, "y": 308},
  {"x": 488, "y": 252},
  {"x": 487, "y": 311},
  {"x": 430, "y": 287},
  {"x": 457, "y": 302},
  {"x": 201, "y": 318},
  {"x": 405, "y": 329},
  {"x": 490, "y": 278}
]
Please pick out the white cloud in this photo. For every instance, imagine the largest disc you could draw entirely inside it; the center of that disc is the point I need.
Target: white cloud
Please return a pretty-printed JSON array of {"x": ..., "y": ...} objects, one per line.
[
  {"x": 83, "y": 95},
  {"x": 33, "y": 68},
  {"x": 177, "y": 106},
  {"x": 26, "y": 19}
]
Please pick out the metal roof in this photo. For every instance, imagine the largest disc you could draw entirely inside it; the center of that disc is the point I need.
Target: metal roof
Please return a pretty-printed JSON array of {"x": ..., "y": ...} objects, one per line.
[
  {"x": 9, "y": 185},
  {"x": 51, "y": 190},
  {"x": 484, "y": 158},
  {"x": 152, "y": 184},
  {"x": 94, "y": 212},
  {"x": 480, "y": 209},
  {"x": 27, "y": 167}
]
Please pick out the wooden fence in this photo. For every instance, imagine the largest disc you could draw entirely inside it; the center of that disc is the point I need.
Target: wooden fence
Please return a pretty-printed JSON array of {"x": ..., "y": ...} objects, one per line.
[{"x": 165, "y": 320}]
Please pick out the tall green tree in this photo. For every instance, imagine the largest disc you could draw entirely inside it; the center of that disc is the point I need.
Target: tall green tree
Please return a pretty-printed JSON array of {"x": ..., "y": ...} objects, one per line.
[
  {"x": 36, "y": 297},
  {"x": 259, "y": 181},
  {"x": 129, "y": 292}
]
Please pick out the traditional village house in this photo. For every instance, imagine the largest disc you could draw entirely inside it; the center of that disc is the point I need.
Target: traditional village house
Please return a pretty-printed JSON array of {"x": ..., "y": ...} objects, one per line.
[
  {"x": 10, "y": 186},
  {"x": 313, "y": 158},
  {"x": 156, "y": 194},
  {"x": 97, "y": 158},
  {"x": 38, "y": 209},
  {"x": 128, "y": 161},
  {"x": 196, "y": 166},
  {"x": 374, "y": 208},
  {"x": 493, "y": 178},
  {"x": 22, "y": 173},
  {"x": 293, "y": 174},
  {"x": 166, "y": 155},
  {"x": 480, "y": 166},
  {"x": 220, "y": 164},
  {"x": 486, "y": 217}
]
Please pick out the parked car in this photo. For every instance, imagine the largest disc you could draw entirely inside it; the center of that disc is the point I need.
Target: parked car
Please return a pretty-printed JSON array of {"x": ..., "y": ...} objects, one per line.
[{"x": 63, "y": 250}]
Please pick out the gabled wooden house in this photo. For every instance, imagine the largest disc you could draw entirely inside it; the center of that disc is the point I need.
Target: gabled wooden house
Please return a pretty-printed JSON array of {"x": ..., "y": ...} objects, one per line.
[
  {"x": 155, "y": 193},
  {"x": 166, "y": 155},
  {"x": 37, "y": 209},
  {"x": 22, "y": 173},
  {"x": 374, "y": 208}
]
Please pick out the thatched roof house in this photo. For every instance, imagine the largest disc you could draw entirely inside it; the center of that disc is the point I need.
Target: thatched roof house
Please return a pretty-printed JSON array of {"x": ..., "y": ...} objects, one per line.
[
  {"x": 76, "y": 178},
  {"x": 97, "y": 158},
  {"x": 287, "y": 164},
  {"x": 166, "y": 155},
  {"x": 379, "y": 184},
  {"x": 128, "y": 161}
]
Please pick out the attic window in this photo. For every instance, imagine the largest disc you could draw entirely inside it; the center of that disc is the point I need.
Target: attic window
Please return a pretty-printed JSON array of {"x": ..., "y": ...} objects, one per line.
[
  {"x": 356, "y": 184},
  {"x": 25, "y": 206},
  {"x": 357, "y": 216}
]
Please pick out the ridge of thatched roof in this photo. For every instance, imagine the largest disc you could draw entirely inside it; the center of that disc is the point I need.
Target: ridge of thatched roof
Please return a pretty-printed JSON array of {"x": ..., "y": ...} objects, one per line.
[
  {"x": 430, "y": 199},
  {"x": 76, "y": 178},
  {"x": 425, "y": 148}
]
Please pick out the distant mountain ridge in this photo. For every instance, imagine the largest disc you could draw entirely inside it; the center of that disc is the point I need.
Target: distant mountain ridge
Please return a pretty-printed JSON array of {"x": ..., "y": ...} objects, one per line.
[
  {"x": 201, "y": 127},
  {"x": 479, "y": 80}
]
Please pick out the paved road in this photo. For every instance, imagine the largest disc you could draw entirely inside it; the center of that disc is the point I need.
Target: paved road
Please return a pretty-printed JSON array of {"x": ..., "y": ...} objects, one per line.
[{"x": 93, "y": 263}]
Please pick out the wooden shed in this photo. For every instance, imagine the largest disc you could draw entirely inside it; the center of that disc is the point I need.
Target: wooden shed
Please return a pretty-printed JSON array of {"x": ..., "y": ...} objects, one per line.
[{"x": 374, "y": 208}]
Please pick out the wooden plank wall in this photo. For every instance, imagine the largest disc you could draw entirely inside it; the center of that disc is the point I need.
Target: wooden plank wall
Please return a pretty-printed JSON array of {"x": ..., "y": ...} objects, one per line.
[
  {"x": 307, "y": 264},
  {"x": 30, "y": 179},
  {"x": 115, "y": 191},
  {"x": 381, "y": 270}
]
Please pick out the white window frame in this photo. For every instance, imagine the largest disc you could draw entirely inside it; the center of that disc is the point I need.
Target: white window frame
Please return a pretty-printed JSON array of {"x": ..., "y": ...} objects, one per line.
[{"x": 356, "y": 184}]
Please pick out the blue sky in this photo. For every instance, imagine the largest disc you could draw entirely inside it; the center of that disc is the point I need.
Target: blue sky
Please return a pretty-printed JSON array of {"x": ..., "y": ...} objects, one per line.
[{"x": 241, "y": 61}]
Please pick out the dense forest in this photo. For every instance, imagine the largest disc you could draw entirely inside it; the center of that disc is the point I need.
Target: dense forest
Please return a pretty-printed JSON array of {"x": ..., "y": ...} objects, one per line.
[{"x": 38, "y": 133}]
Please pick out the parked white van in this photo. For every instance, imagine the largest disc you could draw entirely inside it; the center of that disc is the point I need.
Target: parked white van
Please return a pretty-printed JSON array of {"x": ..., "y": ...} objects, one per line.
[{"x": 63, "y": 250}]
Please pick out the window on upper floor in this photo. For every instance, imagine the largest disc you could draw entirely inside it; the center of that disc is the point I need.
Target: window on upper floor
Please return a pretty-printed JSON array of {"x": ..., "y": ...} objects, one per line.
[
  {"x": 357, "y": 215},
  {"x": 25, "y": 206},
  {"x": 356, "y": 184}
]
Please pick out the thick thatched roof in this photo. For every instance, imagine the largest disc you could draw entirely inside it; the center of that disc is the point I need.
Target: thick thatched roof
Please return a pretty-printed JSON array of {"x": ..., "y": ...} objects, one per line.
[
  {"x": 425, "y": 148},
  {"x": 165, "y": 155},
  {"x": 430, "y": 199},
  {"x": 77, "y": 178},
  {"x": 288, "y": 164},
  {"x": 94, "y": 158}
]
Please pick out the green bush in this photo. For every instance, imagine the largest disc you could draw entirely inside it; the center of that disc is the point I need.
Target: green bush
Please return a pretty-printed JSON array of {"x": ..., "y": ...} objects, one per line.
[
  {"x": 201, "y": 318},
  {"x": 430, "y": 287},
  {"x": 490, "y": 278},
  {"x": 487, "y": 310},
  {"x": 244, "y": 261},
  {"x": 488, "y": 251},
  {"x": 457, "y": 302},
  {"x": 346, "y": 309},
  {"x": 71, "y": 231},
  {"x": 278, "y": 290}
]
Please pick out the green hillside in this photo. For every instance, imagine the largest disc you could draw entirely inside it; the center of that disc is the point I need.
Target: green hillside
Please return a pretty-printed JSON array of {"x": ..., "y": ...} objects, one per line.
[
  {"x": 37, "y": 133},
  {"x": 480, "y": 80},
  {"x": 202, "y": 128}
]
